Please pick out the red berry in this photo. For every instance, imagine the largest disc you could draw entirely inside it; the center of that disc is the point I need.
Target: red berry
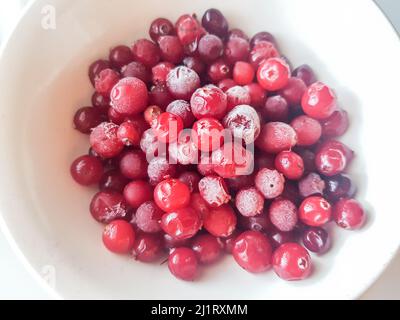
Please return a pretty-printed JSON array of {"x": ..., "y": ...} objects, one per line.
[
  {"x": 133, "y": 164},
  {"x": 261, "y": 37},
  {"x": 138, "y": 192},
  {"x": 316, "y": 239},
  {"x": 96, "y": 67},
  {"x": 160, "y": 72},
  {"x": 149, "y": 144},
  {"x": 182, "y": 109},
  {"x": 249, "y": 202},
  {"x": 113, "y": 180},
  {"x": 209, "y": 101},
  {"x": 339, "y": 186},
  {"x": 136, "y": 70},
  {"x": 261, "y": 52},
  {"x": 220, "y": 222},
  {"x": 107, "y": 206},
  {"x": 333, "y": 157},
  {"x": 205, "y": 166},
  {"x": 292, "y": 262},
  {"x": 160, "y": 96},
  {"x": 219, "y": 70},
  {"x": 105, "y": 81},
  {"x": 87, "y": 170},
  {"x": 319, "y": 101},
  {"x": 229, "y": 242},
  {"x": 237, "y": 95},
  {"x": 238, "y": 33},
  {"x": 161, "y": 27},
  {"x": 336, "y": 125},
  {"x": 290, "y": 164},
  {"x": 315, "y": 211},
  {"x": 182, "y": 263},
  {"x": 294, "y": 90},
  {"x": 184, "y": 150},
  {"x": 104, "y": 140},
  {"x": 101, "y": 102},
  {"x": 308, "y": 130},
  {"x": 119, "y": 237},
  {"x": 147, "y": 247},
  {"x": 195, "y": 64},
  {"x": 170, "y": 243},
  {"x": 276, "y": 137},
  {"x": 182, "y": 82},
  {"x": 237, "y": 49},
  {"x": 226, "y": 84},
  {"x": 214, "y": 22},
  {"x": 349, "y": 214},
  {"x": 171, "y": 195},
  {"x": 240, "y": 182},
  {"x": 115, "y": 117},
  {"x": 146, "y": 52},
  {"x": 120, "y": 56},
  {"x": 129, "y": 134},
  {"x": 305, "y": 73},
  {"x": 311, "y": 185},
  {"x": 270, "y": 183},
  {"x": 148, "y": 217},
  {"x": 208, "y": 249},
  {"x": 151, "y": 114},
  {"x": 243, "y": 73},
  {"x": 276, "y": 108},
  {"x": 191, "y": 179},
  {"x": 210, "y": 47},
  {"x": 257, "y": 94},
  {"x": 171, "y": 49},
  {"x": 283, "y": 214},
  {"x": 87, "y": 118},
  {"x": 167, "y": 127},
  {"x": 129, "y": 96},
  {"x": 214, "y": 191},
  {"x": 208, "y": 134},
  {"x": 188, "y": 29},
  {"x": 160, "y": 169},
  {"x": 199, "y": 204},
  {"x": 278, "y": 237},
  {"x": 252, "y": 251},
  {"x": 273, "y": 74},
  {"x": 259, "y": 222},
  {"x": 181, "y": 223}
]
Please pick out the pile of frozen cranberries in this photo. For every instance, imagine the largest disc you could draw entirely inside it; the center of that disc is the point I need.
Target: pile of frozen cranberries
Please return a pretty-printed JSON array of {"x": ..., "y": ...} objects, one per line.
[{"x": 163, "y": 192}]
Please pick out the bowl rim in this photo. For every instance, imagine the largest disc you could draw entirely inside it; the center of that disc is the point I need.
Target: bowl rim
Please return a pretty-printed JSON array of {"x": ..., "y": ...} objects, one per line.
[{"x": 52, "y": 292}]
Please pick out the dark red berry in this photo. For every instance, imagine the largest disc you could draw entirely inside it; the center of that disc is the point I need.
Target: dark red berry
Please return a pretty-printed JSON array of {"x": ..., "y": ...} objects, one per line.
[
  {"x": 136, "y": 70},
  {"x": 294, "y": 90},
  {"x": 171, "y": 49},
  {"x": 87, "y": 118},
  {"x": 146, "y": 52},
  {"x": 259, "y": 222},
  {"x": 191, "y": 179},
  {"x": 275, "y": 108},
  {"x": 147, "y": 247},
  {"x": 214, "y": 22},
  {"x": 107, "y": 206},
  {"x": 195, "y": 64},
  {"x": 96, "y": 67},
  {"x": 336, "y": 125},
  {"x": 219, "y": 70},
  {"x": 120, "y": 56},
  {"x": 305, "y": 73},
  {"x": 339, "y": 186},
  {"x": 236, "y": 49},
  {"x": 260, "y": 37},
  {"x": 160, "y": 96},
  {"x": 210, "y": 48},
  {"x": 87, "y": 170},
  {"x": 312, "y": 184},
  {"x": 161, "y": 27},
  {"x": 113, "y": 180},
  {"x": 278, "y": 237},
  {"x": 333, "y": 157},
  {"x": 316, "y": 239}
]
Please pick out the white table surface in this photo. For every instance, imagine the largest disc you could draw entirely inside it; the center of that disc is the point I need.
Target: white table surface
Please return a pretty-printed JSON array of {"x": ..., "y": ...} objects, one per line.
[{"x": 17, "y": 283}]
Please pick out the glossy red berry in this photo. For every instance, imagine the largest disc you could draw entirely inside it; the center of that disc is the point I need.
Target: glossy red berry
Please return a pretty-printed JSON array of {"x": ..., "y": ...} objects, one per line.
[
  {"x": 182, "y": 223},
  {"x": 319, "y": 101},
  {"x": 238, "y": 33},
  {"x": 104, "y": 140},
  {"x": 147, "y": 247},
  {"x": 188, "y": 29},
  {"x": 305, "y": 73},
  {"x": 106, "y": 80},
  {"x": 339, "y": 186},
  {"x": 283, "y": 214},
  {"x": 208, "y": 248},
  {"x": 249, "y": 202},
  {"x": 259, "y": 222},
  {"x": 161, "y": 27},
  {"x": 208, "y": 134},
  {"x": 148, "y": 217},
  {"x": 159, "y": 95},
  {"x": 336, "y": 125},
  {"x": 291, "y": 262},
  {"x": 167, "y": 127},
  {"x": 182, "y": 263},
  {"x": 333, "y": 157},
  {"x": 220, "y": 222},
  {"x": 290, "y": 164},
  {"x": 120, "y": 56},
  {"x": 119, "y": 236},
  {"x": 276, "y": 137},
  {"x": 278, "y": 237},
  {"x": 243, "y": 73},
  {"x": 113, "y": 180},
  {"x": 96, "y": 67},
  {"x": 107, "y": 206},
  {"x": 219, "y": 70},
  {"x": 87, "y": 118},
  {"x": 171, "y": 195},
  {"x": 129, "y": 134},
  {"x": 86, "y": 170},
  {"x": 270, "y": 183},
  {"x": 252, "y": 251},
  {"x": 209, "y": 101},
  {"x": 273, "y": 74},
  {"x": 316, "y": 239},
  {"x": 214, "y": 191},
  {"x": 349, "y": 214},
  {"x": 214, "y": 22},
  {"x": 315, "y": 211},
  {"x": 146, "y": 52},
  {"x": 138, "y": 192},
  {"x": 199, "y": 204}
]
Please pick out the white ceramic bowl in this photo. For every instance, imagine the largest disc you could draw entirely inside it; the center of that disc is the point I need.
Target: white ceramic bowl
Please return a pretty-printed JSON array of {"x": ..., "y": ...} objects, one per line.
[{"x": 43, "y": 80}]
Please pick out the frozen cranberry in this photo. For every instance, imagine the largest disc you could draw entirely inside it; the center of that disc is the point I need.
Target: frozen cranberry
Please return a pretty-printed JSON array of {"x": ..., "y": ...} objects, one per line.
[
  {"x": 182, "y": 223},
  {"x": 96, "y": 67},
  {"x": 161, "y": 27},
  {"x": 238, "y": 33},
  {"x": 294, "y": 90},
  {"x": 261, "y": 52},
  {"x": 115, "y": 117},
  {"x": 182, "y": 82},
  {"x": 240, "y": 182},
  {"x": 312, "y": 184},
  {"x": 208, "y": 248},
  {"x": 191, "y": 179},
  {"x": 167, "y": 127},
  {"x": 210, "y": 47},
  {"x": 119, "y": 236},
  {"x": 237, "y": 95},
  {"x": 160, "y": 169},
  {"x": 104, "y": 140},
  {"x": 214, "y": 191},
  {"x": 249, "y": 202},
  {"x": 308, "y": 157},
  {"x": 208, "y": 134},
  {"x": 276, "y": 137},
  {"x": 138, "y": 192},
  {"x": 236, "y": 49},
  {"x": 283, "y": 214},
  {"x": 243, "y": 122},
  {"x": 315, "y": 239},
  {"x": 107, "y": 206},
  {"x": 101, "y": 102},
  {"x": 270, "y": 183},
  {"x": 87, "y": 170},
  {"x": 205, "y": 166},
  {"x": 273, "y": 74},
  {"x": 339, "y": 186},
  {"x": 214, "y": 22},
  {"x": 220, "y": 222},
  {"x": 208, "y": 101},
  {"x": 147, "y": 247},
  {"x": 105, "y": 81},
  {"x": 257, "y": 94},
  {"x": 315, "y": 211},
  {"x": 146, "y": 52},
  {"x": 291, "y": 192},
  {"x": 188, "y": 29},
  {"x": 182, "y": 109},
  {"x": 184, "y": 150},
  {"x": 226, "y": 84},
  {"x": 195, "y": 64},
  {"x": 219, "y": 70},
  {"x": 120, "y": 56},
  {"x": 148, "y": 217},
  {"x": 182, "y": 263},
  {"x": 319, "y": 101},
  {"x": 232, "y": 160},
  {"x": 278, "y": 237},
  {"x": 136, "y": 70},
  {"x": 260, "y": 37},
  {"x": 160, "y": 72},
  {"x": 333, "y": 157},
  {"x": 151, "y": 114},
  {"x": 349, "y": 214},
  {"x": 113, "y": 180},
  {"x": 305, "y": 73},
  {"x": 129, "y": 134},
  {"x": 133, "y": 164},
  {"x": 259, "y": 222},
  {"x": 149, "y": 144},
  {"x": 172, "y": 194},
  {"x": 292, "y": 262},
  {"x": 264, "y": 160},
  {"x": 171, "y": 49},
  {"x": 129, "y": 96},
  {"x": 199, "y": 204},
  {"x": 276, "y": 108},
  {"x": 160, "y": 96},
  {"x": 253, "y": 251},
  {"x": 87, "y": 118},
  {"x": 336, "y": 125},
  {"x": 290, "y": 164},
  {"x": 308, "y": 130}
]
